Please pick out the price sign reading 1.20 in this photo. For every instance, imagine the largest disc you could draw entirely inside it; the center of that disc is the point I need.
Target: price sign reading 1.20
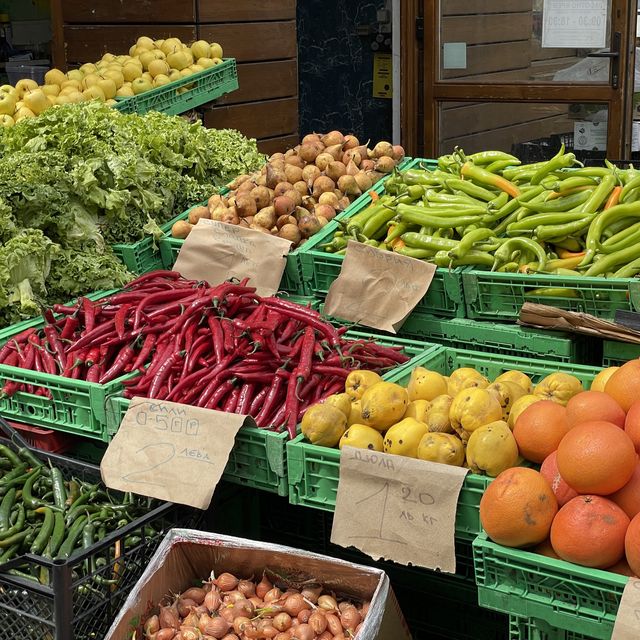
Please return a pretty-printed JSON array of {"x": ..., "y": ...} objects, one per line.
[
  {"x": 573, "y": 24},
  {"x": 397, "y": 508}
]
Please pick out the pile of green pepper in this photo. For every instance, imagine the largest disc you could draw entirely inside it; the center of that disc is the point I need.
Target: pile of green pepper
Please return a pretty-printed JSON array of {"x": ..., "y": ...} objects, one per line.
[
  {"x": 490, "y": 211},
  {"x": 45, "y": 514}
]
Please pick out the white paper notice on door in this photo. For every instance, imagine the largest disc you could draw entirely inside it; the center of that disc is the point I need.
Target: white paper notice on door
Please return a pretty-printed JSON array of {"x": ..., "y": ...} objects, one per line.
[{"x": 574, "y": 24}]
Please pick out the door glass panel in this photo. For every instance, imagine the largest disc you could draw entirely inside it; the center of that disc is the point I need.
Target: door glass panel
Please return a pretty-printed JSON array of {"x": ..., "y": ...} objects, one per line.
[
  {"x": 517, "y": 41},
  {"x": 530, "y": 131}
]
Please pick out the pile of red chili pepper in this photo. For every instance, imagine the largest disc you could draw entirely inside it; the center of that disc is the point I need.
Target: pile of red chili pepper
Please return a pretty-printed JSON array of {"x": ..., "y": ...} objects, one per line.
[{"x": 221, "y": 347}]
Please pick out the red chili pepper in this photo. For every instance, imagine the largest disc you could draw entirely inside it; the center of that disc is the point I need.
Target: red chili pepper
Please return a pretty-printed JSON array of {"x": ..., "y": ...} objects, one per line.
[
  {"x": 90, "y": 338},
  {"x": 162, "y": 373},
  {"x": 64, "y": 310},
  {"x": 219, "y": 395},
  {"x": 308, "y": 316},
  {"x": 48, "y": 316},
  {"x": 70, "y": 326},
  {"x": 303, "y": 370},
  {"x": 12, "y": 359},
  {"x": 245, "y": 397},
  {"x": 92, "y": 355},
  {"x": 118, "y": 365},
  {"x": 49, "y": 362},
  {"x": 120, "y": 319},
  {"x": 23, "y": 336},
  {"x": 289, "y": 330},
  {"x": 232, "y": 401},
  {"x": 330, "y": 371},
  {"x": 227, "y": 330},
  {"x": 200, "y": 347},
  {"x": 272, "y": 395},
  {"x": 313, "y": 382},
  {"x": 93, "y": 375},
  {"x": 291, "y": 405},
  {"x": 89, "y": 313}
]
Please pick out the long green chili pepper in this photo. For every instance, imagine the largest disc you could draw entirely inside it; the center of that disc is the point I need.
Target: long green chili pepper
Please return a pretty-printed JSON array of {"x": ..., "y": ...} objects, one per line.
[
  {"x": 512, "y": 205},
  {"x": 548, "y": 233},
  {"x": 599, "y": 194},
  {"x": 28, "y": 456},
  {"x": 530, "y": 223},
  {"x": 602, "y": 220},
  {"x": 613, "y": 260},
  {"x": 628, "y": 187},
  {"x": 561, "y": 160},
  {"x": 487, "y": 157},
  {"x": 468, "y": 241},
  {"x": 473, "y": 190},
  {"x": 57, "y": 536},
  {"x": 629, "y": 270},
  {"x": 565, "y": 203},
  {"x": 5, "y": 508},
  {"x": 419, "y": 241},
  {"x": 17, "y": 526},
  {"x": 553, "y": 292},
  {"x": 378, "y": 222},
  {"x": 484, "y": 177},
  {"x": 45, "y": 532},
  {"x": 504, "y": 252},
  {"x": 10, "y": 455},
  {"x": 73, "y": 535},
  {"x": 59, "y": 490},
  {"x": 471, "y": 258},
  {"x": 412, "y": 252},
  {"x": 499, "y": 165},
  {"x": 27, "y": 497}
]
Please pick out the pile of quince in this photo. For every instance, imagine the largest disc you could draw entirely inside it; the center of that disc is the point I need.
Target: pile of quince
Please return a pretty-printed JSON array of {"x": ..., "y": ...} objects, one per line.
[
  {"x": 150, "y": 64},
  {"x": 463, "y": 419}
]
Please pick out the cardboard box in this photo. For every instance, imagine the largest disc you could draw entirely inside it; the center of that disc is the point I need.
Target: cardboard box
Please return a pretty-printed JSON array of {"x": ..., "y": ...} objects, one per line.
[{"x": 186, "y": 557}]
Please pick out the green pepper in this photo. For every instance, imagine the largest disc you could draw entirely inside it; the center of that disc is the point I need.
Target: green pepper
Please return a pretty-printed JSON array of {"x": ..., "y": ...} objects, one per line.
[
  {"x": 59, "y": 490},
  {"x": 15, "y": 538},
  {"x": 547, "y": 233},
  {"x": 499, "y": 201},
  {"x": 452, "y": 198},
  {"x": 567, "y": 184},
  {"x": 10, "y": 455},
  {"x": 27, "y": 497},
  {"x": 419, "y": 241},
  {"x": 561, "y": 160},
  {"x": 468, "y": 241},
  {"x": 17, "y": 526},
  {"x": 377, "y": 223},
  {"x": 602, "y": 220},
  {"x": 413, "y": 177},
  {"x": 628, "y": 187},
  {"x": 398, "y": 229},
  {"x": 498, "y": 166},
  {"x": 45, "y": 532},
  {"x": 473, "y": 190},
  {"x": 515, "y": 172},
  {"x": 569, "y": 243},
  {"x": 412, "y": 252},
  {"x": 564, "y": 203},
  {"x": 592, "y": 172},
  {"x": 10, "y": 553},
  {"x": 426, "y": 218},
  {"x": 335, "y": 245},
  {"x": 356, "y": 223},
  {"x": 471, "y": 258},
  {"x": 599, "y": 194},
  {"x": 611, "y": 260},
  {"x": 483, "y": 177},
  {"x": 57, "y": 535},
  {"x": 510, "y": 267},
  {"x": 552, "y": 292},
  {"x": 504, "y": 252},
  {"x": 5, "y": 508},
  {"x": 629, "y": 270},
  {"x": 487, "y": 157},
  {"x": 371, "y": 243},
  {"x": 30, "y": 458},
  {"x": 512, "y": 205},
  {"x": 633, "y": 237},
  {"x": 530, "y": 223},
  {"x": 73, "y": 534}
]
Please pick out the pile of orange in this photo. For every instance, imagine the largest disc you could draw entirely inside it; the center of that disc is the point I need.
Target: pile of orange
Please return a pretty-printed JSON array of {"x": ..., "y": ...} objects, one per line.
[{"x": 583, "y": 506}]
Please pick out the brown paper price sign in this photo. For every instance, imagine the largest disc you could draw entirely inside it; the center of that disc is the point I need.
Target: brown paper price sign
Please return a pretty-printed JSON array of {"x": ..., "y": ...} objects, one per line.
[
  {"x": 397, "y": 508},
  {"x": 170, "y": 451},
  {"x": 627, "y": 625},
  {"x": 377, "y": 288},
  {"x": 215, "y": 251}
]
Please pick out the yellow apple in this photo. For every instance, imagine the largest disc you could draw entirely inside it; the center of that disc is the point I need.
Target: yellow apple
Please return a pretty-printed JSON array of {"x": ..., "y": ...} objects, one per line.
[
  {"x": 7, "y": 104},
  {"x": 125, "y": 91},
  {"x": 36, "y": 100},
  {"x": 147, "y": 76},
  {"x": 161, "y": 80},
  {"x": 170, "y": 45},
  {"x": 19, "y": 105},
  {"x": 110, "y": 102},
  {"x": 54, "y": 76},
  {"x": 63, "y": 99},
  {"x": 160, "y": 55},
  {"x": 147, "y": 58},
  {"x": 108, "y": 57},
  {"x": 141, "y": 85},
  {"x": 145, "y": 41},
  {"x": 217, "y": 61},
  {"x": 108, "y": 87},
  {"x": 206, "y": 63},
  {"x": 178, "y": 60},
  {"x": 6, "y": 121},
  {"x": 185, "y": 73},
  {"x": 70, "y": 84},
  {"x": 24, "y": 85},
  {"x": 200, "y": 49},
  {"x": 88, "y": 67},
  {"x": 131, "y": 72},
  {"x": 158, "y": 43},
  {"x": 215, "y": 50},
  {"x": 75, "y": 97},
  {"x": 196, "y": 68},
  {"x": 75, "y": 74},
  {"x": 115, "y": 75},
  {"x": 132, "y": 50},
  {"x": 23, "y": 113},
  {"x": 51, "y": 89},
  {"x": 158, "y": 67},
  {"x": 90, "y": 80},
  {"x": 94, "y": 93}
]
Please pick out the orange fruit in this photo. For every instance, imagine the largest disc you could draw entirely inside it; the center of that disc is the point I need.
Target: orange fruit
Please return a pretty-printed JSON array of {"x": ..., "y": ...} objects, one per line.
[
  {"x": 632, "y": 545},
  {"x": 562, "y": 491},
  {"x": 596, "y": 457},
  {"x": 594, "y": 405},
  {"x": 590, "y": 531},
  {"x": 628, "y": 498},
  {"x": 600, "y": 381},
  {"x": 540, "y": 428},
  {"x": 518, "y": 507},
  {"x": 624, "y": 384},
  {"x": 545, "y": 549},
  {"x": 632, "y": 424}
]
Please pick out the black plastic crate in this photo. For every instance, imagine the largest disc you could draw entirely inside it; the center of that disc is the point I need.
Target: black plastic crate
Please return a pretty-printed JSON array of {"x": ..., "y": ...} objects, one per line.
[{"x": 78, "y": 598}]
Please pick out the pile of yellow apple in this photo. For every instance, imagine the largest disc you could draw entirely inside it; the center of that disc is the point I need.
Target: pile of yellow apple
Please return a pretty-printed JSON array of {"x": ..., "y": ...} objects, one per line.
[
  {"x": 149, "y": 64},
  {"x": 463, "y": 419}
]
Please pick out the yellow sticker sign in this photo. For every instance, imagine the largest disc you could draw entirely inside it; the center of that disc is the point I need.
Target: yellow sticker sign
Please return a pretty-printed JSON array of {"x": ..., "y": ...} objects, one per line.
[{"x": 382, "y": 75}]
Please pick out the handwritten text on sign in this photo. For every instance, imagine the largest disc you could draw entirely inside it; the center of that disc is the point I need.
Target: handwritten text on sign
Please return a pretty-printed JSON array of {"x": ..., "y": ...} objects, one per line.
[
  {"x": 627, "y": 625},
  {"x": 170, "y": 451},
  {"x": 377, "y": 288},
  {"x": 397, "y": 508}
]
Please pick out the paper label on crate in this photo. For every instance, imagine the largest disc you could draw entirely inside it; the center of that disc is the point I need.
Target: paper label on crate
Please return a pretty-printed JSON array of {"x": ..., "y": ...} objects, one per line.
[
  {"x": 627, "y": 626},
  {"x": 378, "y": 289},
  {"x": 216, "y": 251},
  {"x": 397, "y": 508},
  {"x": 170, "y": 451}
]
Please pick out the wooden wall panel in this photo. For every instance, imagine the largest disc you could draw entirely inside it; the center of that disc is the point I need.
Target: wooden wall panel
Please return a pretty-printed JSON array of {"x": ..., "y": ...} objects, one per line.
[
  {"x": 89, "y": 43},
  {"x": 129, "y": 11},
  {"x": 263, "y": 81},
  {"x": 278, "y": 144},
  {"x": 264, "y": 119},
  {"x": 245, "y": 10},
  {"x": 488, "y": 58},
  {"x": 254, "y": 41},
  {"x": 470, "y": 7},
  {"x": 499, "y": 27}
]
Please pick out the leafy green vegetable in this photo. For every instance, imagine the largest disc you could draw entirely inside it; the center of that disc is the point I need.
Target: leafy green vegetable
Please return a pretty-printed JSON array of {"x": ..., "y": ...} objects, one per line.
[{"x": 79, "y": 178}]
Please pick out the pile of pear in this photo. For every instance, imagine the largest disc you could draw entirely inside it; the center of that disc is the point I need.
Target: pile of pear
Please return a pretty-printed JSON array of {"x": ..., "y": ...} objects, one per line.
[
  {"x": 463, "y": 419},
  {"x": 149, "y": 64}
]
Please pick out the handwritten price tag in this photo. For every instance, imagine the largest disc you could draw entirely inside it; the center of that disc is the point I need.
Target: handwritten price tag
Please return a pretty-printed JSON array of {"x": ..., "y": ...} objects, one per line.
[
  {"x": 170, "y": 451},
  {"x": 627, "y": 625},
  {"x": 397, "y": 508},
  {"x": 377, "y": 288},
  {"x": 216, "y": 251}
]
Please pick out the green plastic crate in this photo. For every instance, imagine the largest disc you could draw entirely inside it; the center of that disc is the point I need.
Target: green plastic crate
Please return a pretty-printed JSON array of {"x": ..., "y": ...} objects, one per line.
[
  {"x": 293, "y": 277},
  {"x": 529, "y": 585},
  {"x": 314, "y": 471},
  {"x": 320, "y": 269},
  {"x": 532, "y": 629},
  {"x": 256, "y": 460},
  {"x": 616, "y": 353},
  {"x": 203, "y": 86},
  {"x": 500, "y": 296}
]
